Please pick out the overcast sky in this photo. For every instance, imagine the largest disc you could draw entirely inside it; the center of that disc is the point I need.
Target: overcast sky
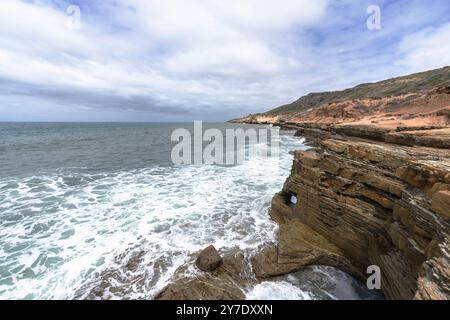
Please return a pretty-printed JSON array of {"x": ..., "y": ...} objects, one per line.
[{"x": 174, "y": 60}]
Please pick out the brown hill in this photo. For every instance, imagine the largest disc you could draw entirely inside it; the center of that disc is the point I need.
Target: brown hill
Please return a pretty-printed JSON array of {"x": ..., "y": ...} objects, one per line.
[{"x": 421, "y": 99}]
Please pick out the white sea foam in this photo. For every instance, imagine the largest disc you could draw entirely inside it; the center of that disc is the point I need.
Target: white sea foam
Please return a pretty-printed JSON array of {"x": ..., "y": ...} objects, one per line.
[
  {"x": 312, "y": 283},
  {"x": 63, "y": 234},
  {"x": 277, "y": 290}
]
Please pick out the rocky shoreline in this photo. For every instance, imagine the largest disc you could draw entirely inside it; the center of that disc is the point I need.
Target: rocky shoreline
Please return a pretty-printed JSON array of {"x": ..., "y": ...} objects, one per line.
[{"x": 361, "y": 196}]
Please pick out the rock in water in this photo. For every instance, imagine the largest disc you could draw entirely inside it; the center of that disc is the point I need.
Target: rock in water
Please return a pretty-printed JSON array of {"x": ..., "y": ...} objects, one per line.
[
  {"x": 209, "y": 259},
  {"x": 224, "y": 283}
]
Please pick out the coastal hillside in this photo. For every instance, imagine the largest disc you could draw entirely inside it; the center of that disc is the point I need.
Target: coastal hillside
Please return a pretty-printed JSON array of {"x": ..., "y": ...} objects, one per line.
[{"x": 415, "y": 100}]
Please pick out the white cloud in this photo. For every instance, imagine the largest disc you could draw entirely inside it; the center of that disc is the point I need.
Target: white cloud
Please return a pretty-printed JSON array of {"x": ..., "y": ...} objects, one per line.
[
  {"x": 426, "y": 49},
  {"x": 234, "y": 60},
  {"x": 213, "y": 53},
  {"x": 216, "y": 56},
  {"x": 216, "y": 20}
]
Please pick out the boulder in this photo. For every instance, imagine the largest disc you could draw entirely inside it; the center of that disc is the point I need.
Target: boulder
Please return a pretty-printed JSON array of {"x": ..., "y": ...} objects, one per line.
[
  {"x": 224, "y": 283},
  {"x": 209, "y": 259}
]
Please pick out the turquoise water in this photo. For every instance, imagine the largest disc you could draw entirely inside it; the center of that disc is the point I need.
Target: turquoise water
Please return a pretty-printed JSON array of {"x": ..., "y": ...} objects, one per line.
[{"x": 98, "y": 211}]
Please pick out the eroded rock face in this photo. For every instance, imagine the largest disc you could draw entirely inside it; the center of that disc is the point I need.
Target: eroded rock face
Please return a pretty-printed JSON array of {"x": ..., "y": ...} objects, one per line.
[
  {"x": 440, "y": 199},
  {"x": 362, "y": 202},
  {"x": 434, "y": 277},
  {"x": 299, "y": 246},
  {"x": 209, "y": 259}
]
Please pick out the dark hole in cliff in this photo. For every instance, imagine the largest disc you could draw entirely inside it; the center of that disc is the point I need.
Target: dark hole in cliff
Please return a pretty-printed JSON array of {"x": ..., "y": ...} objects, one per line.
[{"x": 290, "y": 199}]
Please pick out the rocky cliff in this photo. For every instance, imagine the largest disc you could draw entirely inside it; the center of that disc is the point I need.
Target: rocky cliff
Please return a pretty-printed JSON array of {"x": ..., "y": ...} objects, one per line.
[{"x": 356, "y": 200}]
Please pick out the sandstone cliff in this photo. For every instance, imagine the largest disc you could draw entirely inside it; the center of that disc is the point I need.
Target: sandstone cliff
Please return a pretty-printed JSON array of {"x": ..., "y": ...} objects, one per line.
[{"x": 352, "y": 202}]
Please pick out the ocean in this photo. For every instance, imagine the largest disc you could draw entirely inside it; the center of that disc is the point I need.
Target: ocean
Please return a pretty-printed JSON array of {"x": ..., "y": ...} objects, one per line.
[{"x": 98, "y": 211}]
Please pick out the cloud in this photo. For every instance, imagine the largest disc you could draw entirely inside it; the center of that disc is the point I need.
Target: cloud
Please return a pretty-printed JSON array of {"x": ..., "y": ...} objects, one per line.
[
  {"x": 232, "y": 60},
  {"x": 181, "y": 60},
  {"x": 428, "y": 48}
]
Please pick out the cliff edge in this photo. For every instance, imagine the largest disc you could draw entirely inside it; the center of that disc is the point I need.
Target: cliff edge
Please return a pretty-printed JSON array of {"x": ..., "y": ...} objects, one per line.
[{"x": 353, "y": 201}]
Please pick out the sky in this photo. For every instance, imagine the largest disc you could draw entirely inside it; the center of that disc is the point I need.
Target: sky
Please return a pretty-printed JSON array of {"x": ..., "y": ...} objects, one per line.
[{"x": 210, "y": 60}]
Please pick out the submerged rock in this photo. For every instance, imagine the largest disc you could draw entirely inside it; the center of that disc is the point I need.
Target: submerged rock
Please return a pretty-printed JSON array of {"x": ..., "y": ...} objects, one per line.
[{"x": 209, "y": 259}]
